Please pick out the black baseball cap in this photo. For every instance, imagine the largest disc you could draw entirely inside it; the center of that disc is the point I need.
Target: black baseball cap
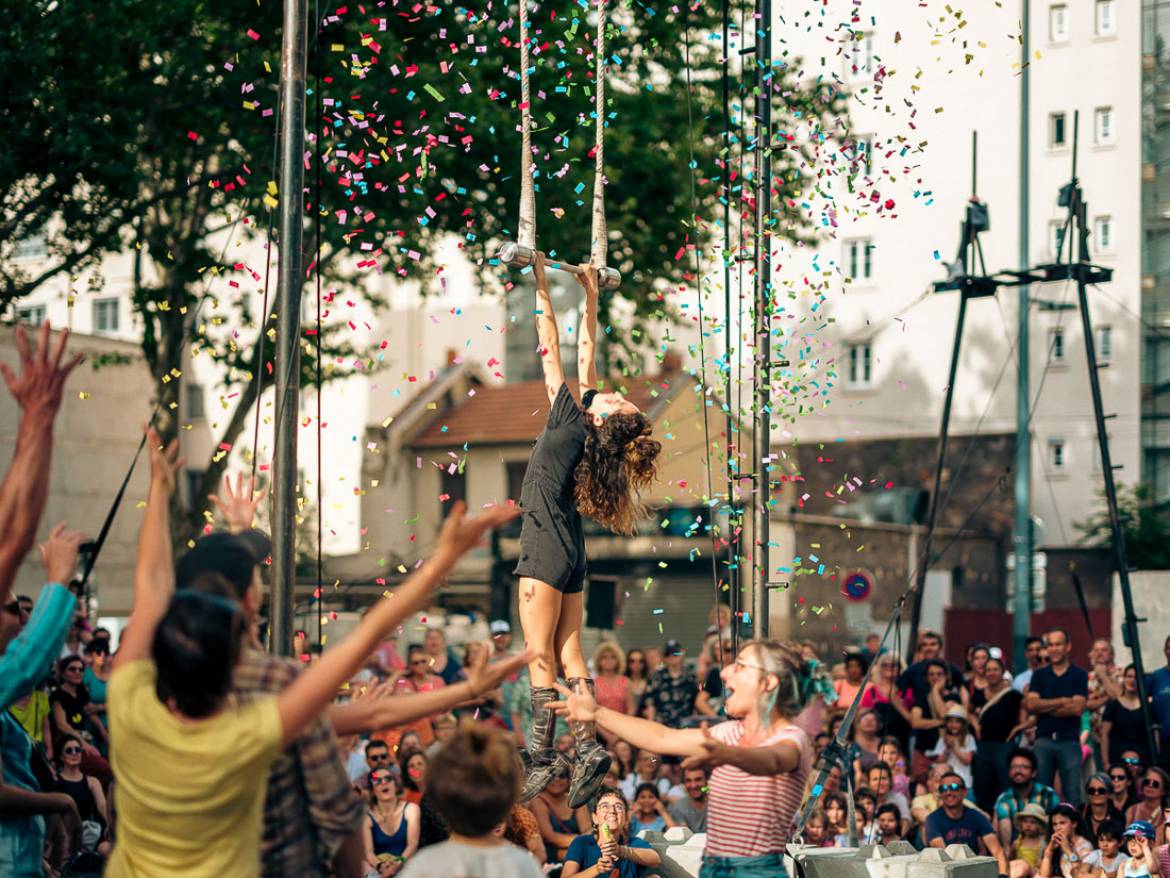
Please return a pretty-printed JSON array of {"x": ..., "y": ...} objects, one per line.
[
  {"x": 232, "y": 556},
  {"x": 673, "y": 647}
]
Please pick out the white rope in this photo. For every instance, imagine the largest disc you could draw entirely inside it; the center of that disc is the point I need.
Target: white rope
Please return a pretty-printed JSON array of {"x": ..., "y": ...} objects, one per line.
[
  {"x": 600, "y": 247},
  {"x": 526, "y": 233}
]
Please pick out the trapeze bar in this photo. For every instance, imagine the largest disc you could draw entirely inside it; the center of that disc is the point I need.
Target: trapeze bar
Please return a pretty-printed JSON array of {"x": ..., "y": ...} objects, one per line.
[{"x": 518, "y": 256}]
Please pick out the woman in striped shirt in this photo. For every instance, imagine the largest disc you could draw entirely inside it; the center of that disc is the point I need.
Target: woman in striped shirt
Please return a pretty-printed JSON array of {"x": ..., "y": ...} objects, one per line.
[{"x": 758, "y": 762}]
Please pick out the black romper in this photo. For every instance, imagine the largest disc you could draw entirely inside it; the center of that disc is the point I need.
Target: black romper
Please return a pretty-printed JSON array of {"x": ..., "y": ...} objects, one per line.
[{"x": 552, "y": 542}]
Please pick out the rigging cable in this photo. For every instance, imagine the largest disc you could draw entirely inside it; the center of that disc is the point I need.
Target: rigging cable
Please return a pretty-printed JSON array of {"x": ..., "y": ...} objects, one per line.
[{"x": 711, "y": 528}]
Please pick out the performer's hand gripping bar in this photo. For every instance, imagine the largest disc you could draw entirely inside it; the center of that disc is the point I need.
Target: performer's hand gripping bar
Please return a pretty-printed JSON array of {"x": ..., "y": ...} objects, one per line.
[{"x": 518, "y": 256}]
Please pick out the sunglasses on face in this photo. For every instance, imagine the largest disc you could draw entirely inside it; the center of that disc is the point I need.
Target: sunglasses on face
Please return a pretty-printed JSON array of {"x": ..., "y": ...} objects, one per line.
[
  {"x": 75, "y": 669},
  {"x": 1153, "y": 783},
  {"x": 1118, "y": 777},
  {"x": 1097, "y": 791},
  {"x": 1130, "y": 760},
  {"x": 378, "y": 757},
  {"x": 13, "y": 608},
  {"x": 71, "y": 751},
  {"x": 950, "y": 787}
]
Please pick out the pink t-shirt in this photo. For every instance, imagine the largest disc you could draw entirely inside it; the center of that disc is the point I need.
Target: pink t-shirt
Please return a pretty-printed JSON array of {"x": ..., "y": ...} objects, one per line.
[
  {"x": 750, "y": 815},
  {"x": 874, "y": 696},
  {"x": 611, "y": 692}
]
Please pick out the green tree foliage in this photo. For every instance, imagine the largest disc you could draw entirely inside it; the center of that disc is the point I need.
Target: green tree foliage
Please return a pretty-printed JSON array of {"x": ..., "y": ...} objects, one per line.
[
  {"x": 1145, "y": 526},
  {"x": 149, "y": 128}
]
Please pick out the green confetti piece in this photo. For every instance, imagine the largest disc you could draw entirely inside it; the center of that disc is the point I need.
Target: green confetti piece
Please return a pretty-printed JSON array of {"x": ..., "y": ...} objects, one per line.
[{"x": 433, "y": 92}]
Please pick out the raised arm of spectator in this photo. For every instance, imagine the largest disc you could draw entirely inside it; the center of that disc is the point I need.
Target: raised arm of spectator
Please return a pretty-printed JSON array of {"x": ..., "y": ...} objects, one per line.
[
  {"x": 154, "y": 571},
  {"x": 547, "y": 333},
  {"x": 385, "y": 710},
  {"x": 697, "y": 745},
  {"x": 317, "y": 687},
  {"x": 587, "y": 337},
  {"x": 37, "y": 390},
  {"x": 29, "y": 657}
]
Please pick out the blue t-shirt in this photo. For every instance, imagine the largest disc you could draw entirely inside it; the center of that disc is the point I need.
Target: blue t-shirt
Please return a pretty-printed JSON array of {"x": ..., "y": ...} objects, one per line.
[
  {"x": 1158, "y": 688},
  {"x": 585, "y": 851},
  {"x": 969, "y": 829},
  {"x": 1046, "y": 684},
  {"x": 657, "y": 824}
]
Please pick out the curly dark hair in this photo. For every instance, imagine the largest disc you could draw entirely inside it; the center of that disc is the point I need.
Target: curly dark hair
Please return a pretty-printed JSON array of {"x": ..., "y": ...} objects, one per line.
[{"x": 619, "y": 462}]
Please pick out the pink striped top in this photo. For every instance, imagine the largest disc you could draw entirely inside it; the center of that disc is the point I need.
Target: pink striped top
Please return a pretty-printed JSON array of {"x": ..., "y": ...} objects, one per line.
[{"x": 750, "y": 815}]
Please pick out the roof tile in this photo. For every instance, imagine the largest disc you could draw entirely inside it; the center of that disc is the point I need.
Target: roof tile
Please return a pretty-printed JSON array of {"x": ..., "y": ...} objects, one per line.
[{"x": 516, "y": 413}]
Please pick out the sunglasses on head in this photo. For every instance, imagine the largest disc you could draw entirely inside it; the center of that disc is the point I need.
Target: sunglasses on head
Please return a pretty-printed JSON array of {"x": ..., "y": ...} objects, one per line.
[{"x": 950, "y": 787}]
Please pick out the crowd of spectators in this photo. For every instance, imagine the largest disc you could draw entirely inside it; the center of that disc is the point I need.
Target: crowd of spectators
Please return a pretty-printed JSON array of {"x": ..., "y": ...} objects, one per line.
[{"x": 397, "y": 753}]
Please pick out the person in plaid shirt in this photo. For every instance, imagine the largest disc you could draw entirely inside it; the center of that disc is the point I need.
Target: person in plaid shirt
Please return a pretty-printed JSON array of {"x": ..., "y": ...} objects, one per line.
[
  {"x": 312, "y": 816},
  {"x": 672, "y": 689},
  {"x": 1025, "y": 790}
]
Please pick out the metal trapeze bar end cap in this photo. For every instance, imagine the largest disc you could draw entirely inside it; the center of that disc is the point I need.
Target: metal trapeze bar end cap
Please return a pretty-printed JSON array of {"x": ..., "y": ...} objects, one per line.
[
  {"x": 609, "y": 279},
  {"x": 515, "y": 255}
]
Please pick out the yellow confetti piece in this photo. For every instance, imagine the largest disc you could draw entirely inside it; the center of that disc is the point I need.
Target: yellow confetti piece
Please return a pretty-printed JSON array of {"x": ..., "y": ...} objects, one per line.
[{"x": 83, "y": 395}]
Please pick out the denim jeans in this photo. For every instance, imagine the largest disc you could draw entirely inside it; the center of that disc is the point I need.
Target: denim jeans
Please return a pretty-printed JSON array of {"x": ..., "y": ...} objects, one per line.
[
  {"x": 766, "y": 866},
  {"x": 1065, "y": 757}
]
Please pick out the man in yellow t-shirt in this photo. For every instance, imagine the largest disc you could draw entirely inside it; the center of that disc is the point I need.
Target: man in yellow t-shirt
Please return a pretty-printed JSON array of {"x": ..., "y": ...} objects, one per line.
[{"x": 190, "y": 794}]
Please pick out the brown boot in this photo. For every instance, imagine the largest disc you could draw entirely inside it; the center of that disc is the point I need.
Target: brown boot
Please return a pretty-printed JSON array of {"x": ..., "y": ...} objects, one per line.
[
  {"x": 591, "y": 762},
  {"x": 541, "y": 760}
]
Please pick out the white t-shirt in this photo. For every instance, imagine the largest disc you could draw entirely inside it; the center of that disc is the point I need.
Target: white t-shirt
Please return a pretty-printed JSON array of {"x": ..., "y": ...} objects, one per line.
[
  {"x": 453, "y": 859},
  {"x": 956, "y": 765},
  {"x": 1096, "y": 859}
]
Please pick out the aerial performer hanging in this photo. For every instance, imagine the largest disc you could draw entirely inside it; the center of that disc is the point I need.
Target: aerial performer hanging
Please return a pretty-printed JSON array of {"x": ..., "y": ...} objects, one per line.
[{"x": 595, "y": 457}]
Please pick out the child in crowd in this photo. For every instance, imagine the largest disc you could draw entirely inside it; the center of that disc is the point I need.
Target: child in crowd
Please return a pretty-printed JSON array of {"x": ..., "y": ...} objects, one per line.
[
  {"x": 890, "y": 752},
  {"x": 865, "y": 801},
  {"x": 649, "y": 812},
  {"x": 1139, "y": 840},
  {"x": 1028, "y": 848},
  {"x": 889, "y": 822},
  {"x": 816, "y": 831},
  {"x": 956, "y": 745},
  {"x": 837, "y": 814},
  {"x": 1107, "y": 860},
  {"x": 475, "y": 782}
]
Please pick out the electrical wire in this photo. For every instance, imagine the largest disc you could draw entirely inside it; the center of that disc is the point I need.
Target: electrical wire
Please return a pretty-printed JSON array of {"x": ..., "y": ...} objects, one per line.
[{"x": 711, "y": 528}]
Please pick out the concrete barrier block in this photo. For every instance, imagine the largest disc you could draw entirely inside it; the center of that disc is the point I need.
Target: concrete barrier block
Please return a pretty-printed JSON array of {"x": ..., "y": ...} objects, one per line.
[
  {"x": 899, "y": 860},
  {"x": 681, "y": 851}
]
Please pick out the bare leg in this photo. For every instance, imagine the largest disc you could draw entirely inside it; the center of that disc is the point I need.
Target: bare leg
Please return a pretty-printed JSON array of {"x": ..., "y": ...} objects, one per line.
[
  {"x": 568, "y": 635},
  {"x": 540, "y": 610}
]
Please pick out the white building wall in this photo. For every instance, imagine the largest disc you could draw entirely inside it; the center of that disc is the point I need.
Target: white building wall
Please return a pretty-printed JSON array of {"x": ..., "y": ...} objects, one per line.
[{"x": 941, "y": 82}]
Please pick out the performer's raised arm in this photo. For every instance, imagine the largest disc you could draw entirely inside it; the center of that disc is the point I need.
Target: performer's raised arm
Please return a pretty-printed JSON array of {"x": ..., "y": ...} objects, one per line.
[
  {"x": 546, "y": 332},
  {"x": 587, "y": 340}
]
